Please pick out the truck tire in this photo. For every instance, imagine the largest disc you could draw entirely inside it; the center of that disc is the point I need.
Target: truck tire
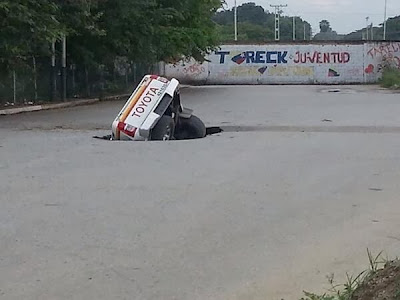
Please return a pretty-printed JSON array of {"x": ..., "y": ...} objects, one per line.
[
  {"x": 192, "y": 128},
  {"x": 164, "y": 129}
]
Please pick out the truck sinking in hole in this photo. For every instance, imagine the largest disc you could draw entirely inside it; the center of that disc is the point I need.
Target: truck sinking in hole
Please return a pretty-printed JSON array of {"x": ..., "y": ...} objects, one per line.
[{"x": 154, "y": 112}]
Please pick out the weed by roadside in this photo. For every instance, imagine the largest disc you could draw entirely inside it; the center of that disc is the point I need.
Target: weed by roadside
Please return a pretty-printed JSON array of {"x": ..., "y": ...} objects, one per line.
[
  {"x": 391, "y": 78},
  {"x": 380, "y": 282}
]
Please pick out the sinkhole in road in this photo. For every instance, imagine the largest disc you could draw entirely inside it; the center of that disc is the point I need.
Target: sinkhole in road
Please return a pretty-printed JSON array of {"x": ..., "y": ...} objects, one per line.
[
  {"x": 329, "y": 128},
  {"x": 209, "y": 131}
]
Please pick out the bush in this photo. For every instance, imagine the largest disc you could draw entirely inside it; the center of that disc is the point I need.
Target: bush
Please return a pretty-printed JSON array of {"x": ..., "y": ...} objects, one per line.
[{"x": 391, "y": 78}]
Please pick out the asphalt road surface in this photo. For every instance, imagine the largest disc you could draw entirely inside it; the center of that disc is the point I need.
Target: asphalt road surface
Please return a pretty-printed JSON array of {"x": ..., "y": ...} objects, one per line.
[{"x": 301, "y": 183}]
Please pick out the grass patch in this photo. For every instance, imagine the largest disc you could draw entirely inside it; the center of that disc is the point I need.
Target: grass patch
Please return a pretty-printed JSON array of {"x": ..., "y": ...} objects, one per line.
[
  {"x": 380, "y": 282},
  {"x": 391, "y": 78}
]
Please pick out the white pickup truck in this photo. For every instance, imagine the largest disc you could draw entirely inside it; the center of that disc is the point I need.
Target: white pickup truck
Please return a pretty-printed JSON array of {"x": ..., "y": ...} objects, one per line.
[{"x": 154, "y": 112}]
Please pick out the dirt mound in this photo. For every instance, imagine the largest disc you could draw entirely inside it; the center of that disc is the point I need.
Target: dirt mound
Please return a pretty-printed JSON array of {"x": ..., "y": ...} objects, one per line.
[{"x": 383, "y": 285}]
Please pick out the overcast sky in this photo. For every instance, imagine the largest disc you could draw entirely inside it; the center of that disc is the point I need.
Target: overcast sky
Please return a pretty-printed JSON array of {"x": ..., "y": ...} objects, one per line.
[{"x": 344, "y": 15}]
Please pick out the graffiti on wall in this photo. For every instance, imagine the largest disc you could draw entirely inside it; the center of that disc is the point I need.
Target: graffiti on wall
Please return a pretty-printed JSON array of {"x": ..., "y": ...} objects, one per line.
[
  {"x": 291, "y": 71},
  {"x": 333, "y": 73},
  {"x": 386, "y": 54},
  {"x": 370, "y": 69},
  {"x": 237, "y": 71},
  {"x": 276, "y": 70},
  {"x": 262, "y": 70},
  {"x": 287, "y": 62},
  {"x": 321, "y": 57},
  {"x": 384, "y": 50},
  {"x": 254, "y": 57},
  {"x": 281, "y": 63},
  {"x": 187, "y": 69},
  {"x": 291, "y": 63},
  {"x": 283, "y": 57},
  {"x": 194, "y": 69}
]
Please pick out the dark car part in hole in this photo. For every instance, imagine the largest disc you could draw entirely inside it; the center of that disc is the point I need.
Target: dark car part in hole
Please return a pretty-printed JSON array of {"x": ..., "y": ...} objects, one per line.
[
  {"x": 191, "y": 128},
  {"x": 209, "y": 131},
  {"x": 164, "y": 129}
]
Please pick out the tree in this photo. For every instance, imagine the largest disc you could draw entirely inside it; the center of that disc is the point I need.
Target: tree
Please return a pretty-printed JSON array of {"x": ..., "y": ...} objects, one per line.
[
  {"x": 150, "y": 31},
  {"x": 252, "y": 13},
  {"x": 393, "y": 28},
  {"x": 257, "y": 25},
  {"x": 325, "y": 26},
  {"x": 326, "y": 33},
  {"x": 81, "y": 21},
  {"x": 147, "y": 30},
  {"x": 185, "y": 29},
  {"x": 393, "y": 31},
  {"x": 27, "y": 26},
  {"x": 99, "y": 32}
]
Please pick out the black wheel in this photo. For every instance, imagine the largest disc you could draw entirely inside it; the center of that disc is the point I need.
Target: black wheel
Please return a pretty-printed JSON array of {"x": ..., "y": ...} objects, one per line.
[
  {"x": 164, "y": 129},
  {"x": 192, "y": 128}
]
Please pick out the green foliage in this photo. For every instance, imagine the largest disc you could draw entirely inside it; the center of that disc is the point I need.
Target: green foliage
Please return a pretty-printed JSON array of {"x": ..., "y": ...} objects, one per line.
[
  {"x": 392, "y": 26},
  {"x": 252, "y": 13},
  {"x": 26, "y": 26},
  {"x": 325, "y": 26},
  {"x": 340, "y": 292},
  {"x": 347, "y": 290},
  {"x": 310, "y": 296},
  {"x": 110, "y": 43},
  {"x": 391, "y": 78},
  {"x": 375, "y": 262},
  {"x": 99, "y": 30},
  {"x": 153, "y": 30},
  {"x": 326, "y": 32},
  {"x": 397, "y": 293},
  {"x": 257, "y": 25}
]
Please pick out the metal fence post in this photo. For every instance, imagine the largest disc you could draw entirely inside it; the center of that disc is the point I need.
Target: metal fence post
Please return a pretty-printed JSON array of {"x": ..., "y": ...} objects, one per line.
[
  {"x": 14, "y": 87},
  {"x": 53, "y": 76},
  {"x": 35, "y": 78},
  {"x": 64, "y": 68}
]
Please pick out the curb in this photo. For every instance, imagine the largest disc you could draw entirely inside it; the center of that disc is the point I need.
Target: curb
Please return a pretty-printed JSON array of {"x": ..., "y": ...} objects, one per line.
[{"x": 19, "y": 110}]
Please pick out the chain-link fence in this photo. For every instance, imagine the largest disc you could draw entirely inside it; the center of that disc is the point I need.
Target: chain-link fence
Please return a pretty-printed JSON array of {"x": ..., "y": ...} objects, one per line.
[{"x": 36, "y": 81}]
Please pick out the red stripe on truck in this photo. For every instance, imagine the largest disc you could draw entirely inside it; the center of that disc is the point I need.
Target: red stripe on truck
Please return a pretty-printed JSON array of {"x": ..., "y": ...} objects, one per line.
[{"x": 127, "y": 129}]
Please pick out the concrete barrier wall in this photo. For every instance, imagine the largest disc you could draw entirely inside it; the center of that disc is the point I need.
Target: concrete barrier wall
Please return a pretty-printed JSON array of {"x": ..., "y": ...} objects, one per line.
[{"x": 289, "y": 64}]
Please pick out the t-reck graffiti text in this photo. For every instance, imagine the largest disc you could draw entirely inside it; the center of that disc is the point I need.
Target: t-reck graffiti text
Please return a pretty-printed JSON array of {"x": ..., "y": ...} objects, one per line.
[{"x": 257, "y": 57}]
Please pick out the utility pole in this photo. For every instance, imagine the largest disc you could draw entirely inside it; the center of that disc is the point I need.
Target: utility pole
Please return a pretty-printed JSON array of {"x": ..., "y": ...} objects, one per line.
[
  {"x": 64, "y": 68},
  {"x": 367, "y": 19},
  {"x": 384, "y": 22},
  {"x": 294, "y": 28},
  {"x": 236, "y": 21},
  {"x": 372, "y": 31},
  {"x": 277, "y": 20}
]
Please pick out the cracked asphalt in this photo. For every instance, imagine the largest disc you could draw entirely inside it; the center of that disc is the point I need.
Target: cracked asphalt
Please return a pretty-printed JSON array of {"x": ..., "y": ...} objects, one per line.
[{"x": 303, "y": 180}]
